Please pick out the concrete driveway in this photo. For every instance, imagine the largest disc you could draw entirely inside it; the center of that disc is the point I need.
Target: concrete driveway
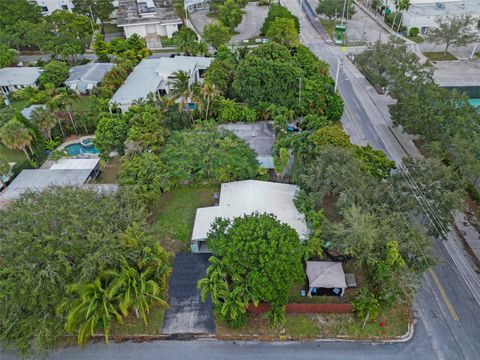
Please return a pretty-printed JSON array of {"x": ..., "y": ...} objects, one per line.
[
  {"x": 252, "y": 22},
  {"x": 187, "y": 314}
]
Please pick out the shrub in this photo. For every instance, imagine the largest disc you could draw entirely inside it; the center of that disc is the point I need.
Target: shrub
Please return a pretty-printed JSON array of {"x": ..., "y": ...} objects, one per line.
[
  {"x": 365, "y": 303},
  {"x": 231, "y": 111},
  {"x": 413, "y": 32}
]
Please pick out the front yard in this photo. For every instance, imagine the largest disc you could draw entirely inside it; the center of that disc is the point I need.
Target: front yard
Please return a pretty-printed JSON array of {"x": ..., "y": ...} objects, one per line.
[
  {"x": 310, "y": 326},
  {"x": 439, "y": 56}
]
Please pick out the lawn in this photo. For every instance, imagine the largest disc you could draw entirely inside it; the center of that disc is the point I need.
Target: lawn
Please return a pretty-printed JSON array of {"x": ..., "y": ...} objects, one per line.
[
  {"x": 171, "y": 220},
  {"x": 439, "y": 56},
  {"x": 133, "y": 326},
  {"x": 82, "y": 104},
  {"x": 11, "y": 155},
  {"x": 418, "y": 39},
  {"x": 110, "y": 171},
  {"x": 111, "y": 28},
  {"x": 329, "y": 26},
  {"x": 310, "y": 326}
]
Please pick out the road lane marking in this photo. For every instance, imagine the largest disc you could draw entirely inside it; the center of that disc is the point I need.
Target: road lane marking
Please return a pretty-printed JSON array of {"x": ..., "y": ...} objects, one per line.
[{"x": 444, "y": 295}]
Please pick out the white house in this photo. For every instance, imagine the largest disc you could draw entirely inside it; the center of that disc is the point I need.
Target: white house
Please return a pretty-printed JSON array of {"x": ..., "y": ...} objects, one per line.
[
  {"x": 247, "y": 197},
  {"x": 49, "y": 6},
  {"x": 84, "y": 78},
  {"x": 148, "y": 18},
  {"x": 155, "y": 76},
  {"x": 16, "y": 78},
  {"x": 423, "y": 15}
]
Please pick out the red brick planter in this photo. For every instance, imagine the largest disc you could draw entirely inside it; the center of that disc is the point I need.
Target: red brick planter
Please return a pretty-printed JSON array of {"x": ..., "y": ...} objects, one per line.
[{"x": 305, "y": 308}]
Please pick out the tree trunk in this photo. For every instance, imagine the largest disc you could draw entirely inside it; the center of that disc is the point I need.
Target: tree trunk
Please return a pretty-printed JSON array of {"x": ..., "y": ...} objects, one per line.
[
  {"x": 399, "y": 24},
  {"x": 26, "y": 154},
  {"x": 137, "y": 314},
  {"x": 208, "y": 105},
  {"x": 60, "y": 125},
  {"x": 73, "y": 122},
  {"x": 446, "y": 49}
]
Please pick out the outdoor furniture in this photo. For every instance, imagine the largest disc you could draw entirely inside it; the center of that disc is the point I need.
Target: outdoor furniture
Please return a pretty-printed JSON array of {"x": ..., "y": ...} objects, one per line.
[{"x": 350, "y": 280}]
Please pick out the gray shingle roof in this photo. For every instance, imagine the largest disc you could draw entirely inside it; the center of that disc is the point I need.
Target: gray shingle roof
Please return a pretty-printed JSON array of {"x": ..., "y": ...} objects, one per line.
[
  {"x": 259, "y": 136},
  {"x": 19, "y": 75},
  {"x": 128, "y": 13}
]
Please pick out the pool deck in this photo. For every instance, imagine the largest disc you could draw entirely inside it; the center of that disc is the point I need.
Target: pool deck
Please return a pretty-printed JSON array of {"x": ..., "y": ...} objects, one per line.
[{"x": 77, "y": 141}]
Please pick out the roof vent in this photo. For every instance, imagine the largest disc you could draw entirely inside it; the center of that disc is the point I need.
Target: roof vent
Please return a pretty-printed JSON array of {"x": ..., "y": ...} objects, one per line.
[
  {"x": 146, "y": 7},
  {"x": 440, "y": 5}
]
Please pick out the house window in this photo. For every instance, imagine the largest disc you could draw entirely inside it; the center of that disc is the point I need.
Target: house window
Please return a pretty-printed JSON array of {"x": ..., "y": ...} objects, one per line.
[
  {"x": 64, "y": 7},
  {"x": 44, "y": 9},
  {"x": 162, "y": 92},
  {"x": 201, "y": 72}
]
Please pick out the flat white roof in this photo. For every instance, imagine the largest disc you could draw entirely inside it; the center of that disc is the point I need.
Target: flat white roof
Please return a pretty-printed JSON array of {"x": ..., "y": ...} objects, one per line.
[
  {"x": 247, "y": 197},
  {"x": 19, "y": 75},
  {"x": 149, "y": 73},
  {"x": 75, "y": 164}
]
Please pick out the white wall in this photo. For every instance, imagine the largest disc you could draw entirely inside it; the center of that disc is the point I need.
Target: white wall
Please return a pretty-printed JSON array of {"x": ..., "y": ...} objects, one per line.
[
  {"x": 425, "y": 22},
  {"x": 53, "y": 5},
  {"x": 141, "y": 29}
]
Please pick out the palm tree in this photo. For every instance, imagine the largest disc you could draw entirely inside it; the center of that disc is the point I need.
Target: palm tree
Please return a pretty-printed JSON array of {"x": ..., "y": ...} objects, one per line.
[
  {"x": 209, "y": 91},
  {"x": 53, "y": 105},
  {"x": 92, "y": 307},
  {"x": 15, "y": 135},
  {"x": 181, "y": 89},
  {"x": 203, "y": 49},
  {"x": 403, "y": 5},
  {"x": 134, "y": 289},
  {"x": 44, "y": 120}
]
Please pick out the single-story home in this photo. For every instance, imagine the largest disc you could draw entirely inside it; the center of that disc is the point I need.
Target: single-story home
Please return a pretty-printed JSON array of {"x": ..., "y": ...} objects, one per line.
[
  {"x": 16, "y": 78},
  {"x": 246, "y": 197},
  {"x": 148, "y": 18},
  {"x": 155, "y": 76},
  {"x": 260, "y": 136},
  {"x": 84, "y": 78},
  {"x": 325, "y": 275},
  {"x": 28, "y": 111},
  {"x": 63, "y": 172}
]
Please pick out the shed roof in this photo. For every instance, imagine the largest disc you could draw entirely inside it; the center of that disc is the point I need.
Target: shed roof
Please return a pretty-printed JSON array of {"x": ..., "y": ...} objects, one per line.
[
  {"x": 41, "y": 179},
  {"x": 247, "y": 197},
  {"x": 19, "y": 75},
  {"x": 28, "y": 111},
  {"x": 325, "y": 274},
  {"x": 93, "y": 72},
  {"x": 75, "y": 164},
  {"x": 260, "y": 136}
]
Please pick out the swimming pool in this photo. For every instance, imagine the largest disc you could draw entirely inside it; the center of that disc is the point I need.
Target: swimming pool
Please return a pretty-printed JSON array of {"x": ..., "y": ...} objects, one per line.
[{"x": 79, "y": 149}]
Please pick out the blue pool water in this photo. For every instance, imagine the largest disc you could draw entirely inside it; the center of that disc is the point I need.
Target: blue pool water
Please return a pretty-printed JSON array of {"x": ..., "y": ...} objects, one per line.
[
  {"x": 79, "y": 149},
  {"x": 474, "y": 102}
]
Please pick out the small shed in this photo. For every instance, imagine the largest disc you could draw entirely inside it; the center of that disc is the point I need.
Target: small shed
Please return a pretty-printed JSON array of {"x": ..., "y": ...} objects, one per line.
[{"x": 325, "y": 274}]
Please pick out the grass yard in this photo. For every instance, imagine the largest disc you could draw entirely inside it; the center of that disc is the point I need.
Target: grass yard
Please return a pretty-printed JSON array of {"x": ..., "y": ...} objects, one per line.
[
  {"x": 310, "y": 326},
  {"x": 83, "y": 103},
  {"x": 329, "y": 26},
  {"x": 171, "y": 220},
  {"x": 166, "y": 41},
  {"x": 111, "y": 28},
  {"x": 11, "y": 155},
  {"x": 439, "y": 56},
  {"x": 133, "y": 326},
  {"x": 110, "y": 171},
  {"x": 418, "y": 39}
]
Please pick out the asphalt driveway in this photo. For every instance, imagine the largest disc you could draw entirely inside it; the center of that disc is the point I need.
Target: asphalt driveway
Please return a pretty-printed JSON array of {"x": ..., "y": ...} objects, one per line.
[{"x": 187, "y": 314}]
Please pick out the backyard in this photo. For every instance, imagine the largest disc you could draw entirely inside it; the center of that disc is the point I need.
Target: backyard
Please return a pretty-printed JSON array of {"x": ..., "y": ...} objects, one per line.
[{"x": 11, "y": 155}]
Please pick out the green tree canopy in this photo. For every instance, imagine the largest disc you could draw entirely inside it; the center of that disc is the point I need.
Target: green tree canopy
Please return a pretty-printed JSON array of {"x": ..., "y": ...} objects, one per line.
[
  {"x": 283, "y": 31},
  {"x": 334, "y": 8},
  {"x": 454, "y": 30},
  {"x": 110, "y": 135},
  {"x": 55, "y": 72},
  {"x": 8, "y": 56},
  {"x": 230, "y": 14},
  {"x": 258, "y": 259},
  {"x": 277, "y": 11},
  {"x": 95, "y": 9},
  {"x": 216, "y": 34}
]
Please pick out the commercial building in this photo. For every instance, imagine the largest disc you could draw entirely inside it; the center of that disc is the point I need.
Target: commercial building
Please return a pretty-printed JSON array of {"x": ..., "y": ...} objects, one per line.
[
  {"x": 149, "y": 19},
  {"x": 154, "y": 76}
]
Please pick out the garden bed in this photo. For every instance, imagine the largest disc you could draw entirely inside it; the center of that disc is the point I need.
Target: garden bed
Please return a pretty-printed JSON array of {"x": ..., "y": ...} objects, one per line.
[{"x": 133, "y": 326}]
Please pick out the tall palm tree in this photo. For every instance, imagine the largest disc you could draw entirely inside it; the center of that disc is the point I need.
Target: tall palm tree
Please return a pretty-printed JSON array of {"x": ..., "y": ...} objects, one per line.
[
  {"x": 15, "y": 135},
  {"x": 180, "y": 88},
  {"x": 44, "y": 120},
  {"x": 92, "y": 307},
  {"x": 134, "y": 290},
  {"x": 403, "y": 5},
  {"x": 209, "y": 91}
]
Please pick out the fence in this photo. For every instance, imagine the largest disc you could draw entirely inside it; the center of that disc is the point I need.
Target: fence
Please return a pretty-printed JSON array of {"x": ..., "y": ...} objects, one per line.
[{"x": 305, "y": 308}]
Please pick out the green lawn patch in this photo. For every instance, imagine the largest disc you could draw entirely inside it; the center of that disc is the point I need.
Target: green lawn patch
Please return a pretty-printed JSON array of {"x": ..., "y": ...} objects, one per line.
[
  {"x": 439, "y": 56},
  {"x": 171, "y": 221},
  {"x": 418, "y": 39},
  {"x": 83, "y": 103},
  {"x": 329, "y": 26},
  {"x": 19, "y": 105},
  {"x": 11, "y": 155},
  {"x": 133, "y": 326},
  {"x": 477, "y": 54},
  {"x": 110, "y": 171},
  {"x": 310, "y": 326},
  {"x": 111, "y": 28}
]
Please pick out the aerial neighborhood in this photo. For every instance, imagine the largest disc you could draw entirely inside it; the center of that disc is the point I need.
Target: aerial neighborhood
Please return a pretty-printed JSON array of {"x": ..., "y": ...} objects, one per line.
[{"x": 251, "y": 173}]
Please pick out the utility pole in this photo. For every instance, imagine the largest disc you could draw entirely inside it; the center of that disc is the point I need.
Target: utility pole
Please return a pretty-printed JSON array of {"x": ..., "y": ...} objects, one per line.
[{"x": 343, "y": 12}]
